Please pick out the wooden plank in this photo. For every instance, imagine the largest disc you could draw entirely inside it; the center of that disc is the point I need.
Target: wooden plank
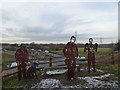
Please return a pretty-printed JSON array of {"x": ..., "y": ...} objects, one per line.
[
  {"x": 9, "y": 72},
  {"x": 14, "y": 70}
]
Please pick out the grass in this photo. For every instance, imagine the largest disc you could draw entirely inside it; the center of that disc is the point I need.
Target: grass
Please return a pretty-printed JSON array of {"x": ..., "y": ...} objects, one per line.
[
  {"x": 113, "y": 69},
  {"x": 107, "y": 64},
  {"x": 57, "y": 51},
  {"x": 7, "y": 59},
  {"x": 12, "y": 81},
  {"x": 101, "y": 51},
  {"x": 38, "y": 55}
]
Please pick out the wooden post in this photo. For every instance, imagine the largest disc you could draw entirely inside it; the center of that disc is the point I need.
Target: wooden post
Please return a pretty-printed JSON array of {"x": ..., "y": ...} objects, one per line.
[
  {"x": 112, "y": 57},
  {"x": 50, "y": 62},
  {"x": 78, "y": 68},
  {"x": 44, "y": 72}
]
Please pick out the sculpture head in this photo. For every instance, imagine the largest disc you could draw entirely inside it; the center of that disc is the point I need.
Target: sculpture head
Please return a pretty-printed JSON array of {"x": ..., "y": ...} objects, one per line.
[
  {"x": 90, "y": 40},
  {"x": 23, "y": 45},
  {"x": 73, "y": 39}
]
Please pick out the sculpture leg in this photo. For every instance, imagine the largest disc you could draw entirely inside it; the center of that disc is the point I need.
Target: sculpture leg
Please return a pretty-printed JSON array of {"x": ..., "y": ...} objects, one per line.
[
  {"x": 89, "y": 63},
  {"x": 93, "y": 64},
  {"x": 68, "y": 74},
  {"x": 19, "y": 72},
  {"x": 24, "y": 70},
  {"x": 73, "y": 75}
]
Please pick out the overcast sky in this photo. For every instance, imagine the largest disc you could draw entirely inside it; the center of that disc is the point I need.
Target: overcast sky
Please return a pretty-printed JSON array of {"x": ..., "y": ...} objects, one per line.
[{"x": 53, "y": 22}]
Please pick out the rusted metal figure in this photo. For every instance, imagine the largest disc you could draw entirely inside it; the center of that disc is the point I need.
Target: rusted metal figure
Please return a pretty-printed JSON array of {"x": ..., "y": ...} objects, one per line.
[
  {"x": 32, "y": 71},
  {"x": 91, "y": 48},
  {"x": 21, "y": 57},
  {"x": 70, "y": 51}
]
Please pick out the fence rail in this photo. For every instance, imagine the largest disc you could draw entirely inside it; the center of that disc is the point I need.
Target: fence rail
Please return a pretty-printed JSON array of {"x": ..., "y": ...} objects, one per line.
[{"x": 47, "y": 64}]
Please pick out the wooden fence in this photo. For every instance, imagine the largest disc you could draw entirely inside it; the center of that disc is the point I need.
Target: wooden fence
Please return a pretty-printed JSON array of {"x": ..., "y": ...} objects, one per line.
[{"x": 44, "y": 63}]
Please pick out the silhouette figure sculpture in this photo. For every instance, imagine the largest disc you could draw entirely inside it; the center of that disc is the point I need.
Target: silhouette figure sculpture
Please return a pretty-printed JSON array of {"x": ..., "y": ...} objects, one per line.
[
  {"x": 32, "y": 71},
  {"x": 70, "y": 51},
  {"x": 91, "y": 48},
  {"x": 21, "y": 57}
]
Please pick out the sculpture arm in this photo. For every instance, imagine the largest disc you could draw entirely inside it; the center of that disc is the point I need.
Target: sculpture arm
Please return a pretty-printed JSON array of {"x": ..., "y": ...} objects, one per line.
[
  {"x": 96, "y": 47},
  {"x": 85, "y": 47}
]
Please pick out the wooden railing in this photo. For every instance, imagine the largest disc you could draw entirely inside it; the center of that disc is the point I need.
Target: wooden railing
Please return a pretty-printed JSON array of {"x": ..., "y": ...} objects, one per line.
[{"x": 48, "y": 63}]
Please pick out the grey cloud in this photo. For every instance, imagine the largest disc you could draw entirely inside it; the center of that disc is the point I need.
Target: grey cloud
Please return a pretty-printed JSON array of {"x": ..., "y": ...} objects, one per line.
[
  {"x": 31, "y": 21},
  {"x": 4, "y": 35}
]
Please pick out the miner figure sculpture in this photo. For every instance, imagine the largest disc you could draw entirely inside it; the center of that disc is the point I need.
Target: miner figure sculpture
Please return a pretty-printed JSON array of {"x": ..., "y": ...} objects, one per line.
[
  {"x": 21, "y": 56},
  {"x": 70, "y": 51},
  {"x": 91, "y": 48}
]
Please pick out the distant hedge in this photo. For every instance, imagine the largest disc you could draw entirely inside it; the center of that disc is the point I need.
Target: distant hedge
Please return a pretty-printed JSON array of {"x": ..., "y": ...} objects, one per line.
[{"x": 118, "y": 45}]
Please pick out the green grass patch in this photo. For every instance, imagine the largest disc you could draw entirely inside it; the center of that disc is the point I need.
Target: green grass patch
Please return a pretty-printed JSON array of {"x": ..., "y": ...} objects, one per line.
[
  {"x": 57, "y": 51},
  {"x": 111, "y": 69},
  {"x": 106, "y": 63},
  {"x": 39, "y": 55},
  {"x": 7, "y": 57},
  {"x": 101, "y": 51},
  {"x": 12, "y": 81}
]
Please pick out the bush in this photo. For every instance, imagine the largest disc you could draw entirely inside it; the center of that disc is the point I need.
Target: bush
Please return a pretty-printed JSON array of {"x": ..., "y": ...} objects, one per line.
[{"x": 118, "y": 45}]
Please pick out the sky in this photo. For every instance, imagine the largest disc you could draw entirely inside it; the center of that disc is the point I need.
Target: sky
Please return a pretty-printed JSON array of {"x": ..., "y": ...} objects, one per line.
[{"x": 56, "y": 22}]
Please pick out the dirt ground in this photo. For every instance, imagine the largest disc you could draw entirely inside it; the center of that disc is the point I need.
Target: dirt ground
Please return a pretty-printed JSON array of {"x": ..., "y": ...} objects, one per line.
[{"x": 63, "y": 77}]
